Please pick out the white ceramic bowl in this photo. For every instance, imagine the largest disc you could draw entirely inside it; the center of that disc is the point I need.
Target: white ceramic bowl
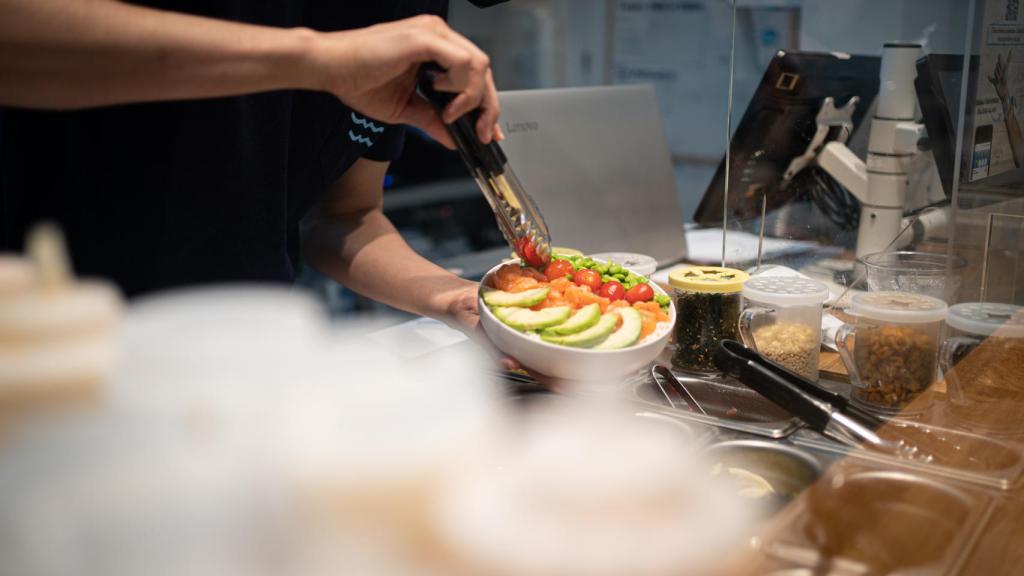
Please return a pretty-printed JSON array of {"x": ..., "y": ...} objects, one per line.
[{"x": 573, "y": 363}]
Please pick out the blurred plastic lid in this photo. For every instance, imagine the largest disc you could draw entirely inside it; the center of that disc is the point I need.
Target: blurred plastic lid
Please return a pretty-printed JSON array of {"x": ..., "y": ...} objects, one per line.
[
  {"x": 710, "y": 279},
  {"x": 894, "y": 306},
  {"x": 786, "y": 290},
  {"x": 16, "y": 275},
  {"x": 986, "y": 319}
]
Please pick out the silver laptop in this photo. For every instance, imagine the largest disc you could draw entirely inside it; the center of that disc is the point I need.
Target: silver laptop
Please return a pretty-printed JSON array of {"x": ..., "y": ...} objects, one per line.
[{"x": 597, "y": 163}]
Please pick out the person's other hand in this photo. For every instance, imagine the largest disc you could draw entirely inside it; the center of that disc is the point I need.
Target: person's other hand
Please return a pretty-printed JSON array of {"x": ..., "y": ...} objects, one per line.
[
  {"x": 998, "y": 77},
  {"x": 462, "y": 312},
  {"x": 373, "y": 70}
]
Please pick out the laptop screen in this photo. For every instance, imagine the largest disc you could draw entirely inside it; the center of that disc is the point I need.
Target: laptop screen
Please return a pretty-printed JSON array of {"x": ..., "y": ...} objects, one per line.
[{"x": 596, "y": 162}]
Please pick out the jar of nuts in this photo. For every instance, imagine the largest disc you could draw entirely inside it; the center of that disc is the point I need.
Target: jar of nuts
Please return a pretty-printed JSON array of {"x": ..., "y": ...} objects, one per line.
[
  {"x": 708, "y": 308},
  {"x": 781, "y": 319},
  {"x": 895, "y": 344}
]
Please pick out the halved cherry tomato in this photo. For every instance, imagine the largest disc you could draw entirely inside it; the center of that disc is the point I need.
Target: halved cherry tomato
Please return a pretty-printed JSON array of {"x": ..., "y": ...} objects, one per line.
[
  {"x": 585, "y": 277},
  {"x": 640, "y": 293},
  {"x": 528, "y": 252},
  {"x": 612, "y": 290},
  {"x": 558, "y": 269}
]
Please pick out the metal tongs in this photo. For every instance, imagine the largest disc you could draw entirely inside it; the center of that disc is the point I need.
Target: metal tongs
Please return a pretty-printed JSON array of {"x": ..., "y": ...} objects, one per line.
[
  {"x": 824, "y": 411},
  {"x": 518, "y": 217}
]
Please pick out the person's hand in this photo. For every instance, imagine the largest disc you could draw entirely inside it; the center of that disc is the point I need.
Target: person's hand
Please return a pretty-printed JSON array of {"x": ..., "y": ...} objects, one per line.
[
  {"x": 998, "y": 77},
  {"x": 373, "y": 71},
  {"x": 462, "y": 312}
]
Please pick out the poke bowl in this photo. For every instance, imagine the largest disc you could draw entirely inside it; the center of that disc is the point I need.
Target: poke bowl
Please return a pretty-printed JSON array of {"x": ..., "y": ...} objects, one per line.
[{"x": 573, "y": 325}]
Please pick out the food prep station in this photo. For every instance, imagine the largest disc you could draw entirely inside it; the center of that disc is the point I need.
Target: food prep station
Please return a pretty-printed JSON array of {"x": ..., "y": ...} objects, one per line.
[{"x": 835, "y": 508}]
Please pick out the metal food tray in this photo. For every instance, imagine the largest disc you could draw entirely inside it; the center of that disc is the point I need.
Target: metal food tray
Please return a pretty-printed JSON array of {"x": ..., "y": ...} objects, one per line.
[
  {"x": 1002, "y": 473},
  {"x": 729, "y": 404},
  {"x": 801, "y": 540}
]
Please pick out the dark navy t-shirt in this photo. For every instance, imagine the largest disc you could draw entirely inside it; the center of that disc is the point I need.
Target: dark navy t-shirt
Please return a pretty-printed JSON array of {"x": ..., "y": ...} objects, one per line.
[{"x": 176, "y": 193}]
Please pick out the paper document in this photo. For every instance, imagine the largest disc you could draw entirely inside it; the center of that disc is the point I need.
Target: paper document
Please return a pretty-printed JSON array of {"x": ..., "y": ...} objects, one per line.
[{"x": 704, "y": 246}]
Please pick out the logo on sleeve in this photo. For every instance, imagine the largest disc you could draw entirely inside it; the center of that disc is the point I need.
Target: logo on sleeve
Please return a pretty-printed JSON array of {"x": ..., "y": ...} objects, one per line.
[{"x": 367, "y": 133}]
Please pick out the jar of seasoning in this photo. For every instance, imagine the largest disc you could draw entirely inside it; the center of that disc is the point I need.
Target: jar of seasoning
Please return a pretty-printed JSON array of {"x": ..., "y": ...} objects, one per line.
[
  {"x": 895, "y": 348},
  {"x": 708, "y": 300},
  {"x": 983, "y": 359},
  {"x": 781, "y": 319}
]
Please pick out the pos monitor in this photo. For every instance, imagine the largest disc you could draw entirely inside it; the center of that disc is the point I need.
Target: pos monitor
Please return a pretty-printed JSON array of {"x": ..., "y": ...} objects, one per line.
[{"x": 779, "y": 125}]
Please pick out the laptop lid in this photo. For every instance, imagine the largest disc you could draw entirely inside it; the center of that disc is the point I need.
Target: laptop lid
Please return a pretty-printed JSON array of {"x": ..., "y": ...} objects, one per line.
[{"x": 597, "y": 163}]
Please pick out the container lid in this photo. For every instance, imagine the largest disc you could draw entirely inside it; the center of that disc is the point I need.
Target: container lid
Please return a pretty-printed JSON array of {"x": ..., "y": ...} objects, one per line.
[
  {"x": 785, "y": 290},
  {"x": 710, "y": 279},
  {"x": 640, "y": 263},
  {"x": 985, "y": 319},
  {"x": 898, "y": 307}
]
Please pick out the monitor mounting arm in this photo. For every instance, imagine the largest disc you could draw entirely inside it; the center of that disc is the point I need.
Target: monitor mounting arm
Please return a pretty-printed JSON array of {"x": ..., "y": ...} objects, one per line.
[
  {"x": 880, "y": 184},
  {"x": 834, "y": 126}
]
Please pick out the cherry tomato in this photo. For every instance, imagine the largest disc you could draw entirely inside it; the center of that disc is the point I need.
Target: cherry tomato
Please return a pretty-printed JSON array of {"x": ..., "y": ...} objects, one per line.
[
  {"x": 640, "y": 293},
  {"x": 612, "y": 290},
  {"x": 528, "y": 253},
  {"x": 585, "y": 277},
  {"x": 558, "y": 269}
]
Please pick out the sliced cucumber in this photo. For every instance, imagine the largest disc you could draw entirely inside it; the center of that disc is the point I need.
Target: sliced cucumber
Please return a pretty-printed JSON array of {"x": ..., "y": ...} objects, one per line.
[
  {"x": 525, "y": 319},
  {"x": 522, "y": 299},
  {"x": 583, "y": 318},
  {"x": 588, "y": 338},
  {"x": 627, "y": 334}
]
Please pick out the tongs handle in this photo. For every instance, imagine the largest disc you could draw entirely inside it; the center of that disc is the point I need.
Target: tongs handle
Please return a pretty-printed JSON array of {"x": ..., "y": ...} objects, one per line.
[
  {"x": 735, "y": 360},
  {"x": 838, "y": 401},
  {"x": 787, "y": 390},
  {"x": 489, "y": 157}
]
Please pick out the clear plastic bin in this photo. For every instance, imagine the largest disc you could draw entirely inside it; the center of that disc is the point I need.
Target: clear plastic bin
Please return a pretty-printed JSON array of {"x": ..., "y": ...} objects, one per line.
[{"x": 983, "y": 363}]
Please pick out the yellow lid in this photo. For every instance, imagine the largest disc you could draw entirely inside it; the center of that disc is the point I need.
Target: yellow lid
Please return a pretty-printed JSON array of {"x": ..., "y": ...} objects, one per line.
[{"x": 710, "y": 279}]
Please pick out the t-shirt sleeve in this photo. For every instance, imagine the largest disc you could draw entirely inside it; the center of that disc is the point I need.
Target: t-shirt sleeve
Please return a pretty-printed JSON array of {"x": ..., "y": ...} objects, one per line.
[{"x": 387, "y": 147}]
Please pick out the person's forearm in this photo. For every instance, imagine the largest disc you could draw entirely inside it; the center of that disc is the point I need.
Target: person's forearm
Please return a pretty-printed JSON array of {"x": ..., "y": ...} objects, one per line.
[
  {"x": 81, "y": 53},
  {"x": 365, "y": 253}
]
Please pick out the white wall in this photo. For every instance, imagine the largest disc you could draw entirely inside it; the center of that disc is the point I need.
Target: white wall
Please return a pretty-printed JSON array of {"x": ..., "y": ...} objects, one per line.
[{"x": 862, "y": 26}]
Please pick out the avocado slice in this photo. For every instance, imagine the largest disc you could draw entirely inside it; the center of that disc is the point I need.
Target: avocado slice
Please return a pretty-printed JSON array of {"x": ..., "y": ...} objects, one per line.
[
  {"x": 627, "y": 334},
  {"x": 583, "y": 318},
  {"x": 523, "y": 299},
  {"x": 589, "y": 337},
  {"x": 526, "y": 319}
]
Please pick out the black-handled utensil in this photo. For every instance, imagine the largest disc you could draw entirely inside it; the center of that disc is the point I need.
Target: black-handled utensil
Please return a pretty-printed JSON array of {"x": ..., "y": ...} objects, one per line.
[
  {"x": 834, "y": 398},
  {"x": 518, "y": 217},
  {"x": 787, "y": 390},
  {"x": 734, "y": 359}
]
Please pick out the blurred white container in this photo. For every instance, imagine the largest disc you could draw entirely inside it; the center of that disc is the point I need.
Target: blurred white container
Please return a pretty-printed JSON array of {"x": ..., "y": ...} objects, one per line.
[
  {"x": 244, "y": 435},
  {"x": 58, "y": 339},
  {"x": 583, "y": 488}
]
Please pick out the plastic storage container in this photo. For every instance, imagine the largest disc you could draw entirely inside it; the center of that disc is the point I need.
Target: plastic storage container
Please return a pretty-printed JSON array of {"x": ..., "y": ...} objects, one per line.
[
  {"x": 896, "y": 342},
  {"x": 708, "y": 302},
  {"x": 983, "y": 362},
  {"x": 781, "y": 319},
  {"x": 936, "y": 275}
]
